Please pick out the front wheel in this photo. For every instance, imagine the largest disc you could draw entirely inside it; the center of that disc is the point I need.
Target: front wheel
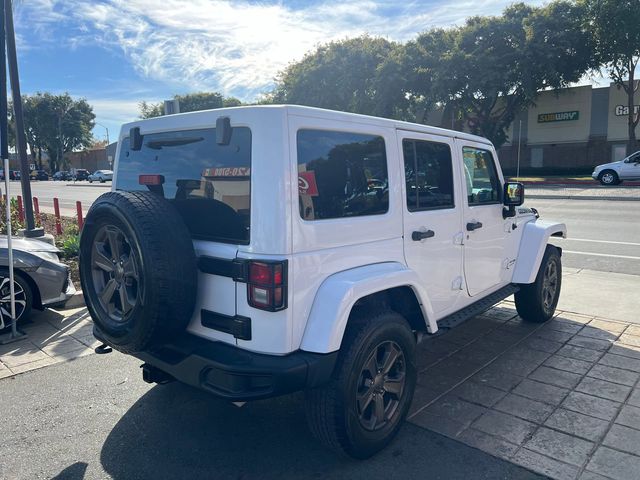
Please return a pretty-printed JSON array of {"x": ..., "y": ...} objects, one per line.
[
  {"x": 23, "y": 296},
  {"x": 536, "y": 302},
  {"x": 363, "y": 406},
  {"x": 609, "y": 177}
]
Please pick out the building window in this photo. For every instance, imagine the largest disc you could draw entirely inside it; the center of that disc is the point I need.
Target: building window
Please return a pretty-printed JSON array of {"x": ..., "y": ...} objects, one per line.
[{"x": 537, "y": 155}]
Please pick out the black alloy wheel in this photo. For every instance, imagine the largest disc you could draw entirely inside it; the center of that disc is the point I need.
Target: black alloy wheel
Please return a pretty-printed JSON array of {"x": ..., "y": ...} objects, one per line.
[
  {"x": 380, "y": 386},
  {"x": 114, "y": 269}
]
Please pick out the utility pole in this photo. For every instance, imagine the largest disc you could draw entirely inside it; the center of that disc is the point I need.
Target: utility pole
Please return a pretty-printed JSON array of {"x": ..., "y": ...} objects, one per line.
[{"x": 21, "y": 141}]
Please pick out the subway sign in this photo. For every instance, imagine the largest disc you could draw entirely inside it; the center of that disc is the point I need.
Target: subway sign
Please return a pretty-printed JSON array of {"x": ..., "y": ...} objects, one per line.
[
  {"x": 558, "y": 117},
  {"x": 623, "y": 110}
]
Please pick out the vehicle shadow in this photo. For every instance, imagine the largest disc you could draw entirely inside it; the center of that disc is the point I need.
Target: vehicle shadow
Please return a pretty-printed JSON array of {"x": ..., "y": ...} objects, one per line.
[{"x": 175, "y": 431}]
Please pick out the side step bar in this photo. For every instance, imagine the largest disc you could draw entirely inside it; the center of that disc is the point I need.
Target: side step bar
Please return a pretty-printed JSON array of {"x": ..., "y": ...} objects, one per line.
[{"x": 476, "y": 308}]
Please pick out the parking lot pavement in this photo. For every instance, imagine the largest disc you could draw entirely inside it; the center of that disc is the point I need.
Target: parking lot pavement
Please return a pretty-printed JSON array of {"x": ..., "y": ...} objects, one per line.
[
  {"x": 52, "y": 337},
  {"x": 561, "y": 398}
]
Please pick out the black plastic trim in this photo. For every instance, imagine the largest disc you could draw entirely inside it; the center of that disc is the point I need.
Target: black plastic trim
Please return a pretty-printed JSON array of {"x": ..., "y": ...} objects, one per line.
[
  {"x": 237, "y": 325},
  {"x": 237, "y": 268},
  {"x": 236, "y": 374}
]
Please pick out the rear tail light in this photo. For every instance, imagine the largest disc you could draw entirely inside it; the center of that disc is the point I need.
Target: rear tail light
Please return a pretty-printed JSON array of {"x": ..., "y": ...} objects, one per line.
[{"x": 267, "y": 285}]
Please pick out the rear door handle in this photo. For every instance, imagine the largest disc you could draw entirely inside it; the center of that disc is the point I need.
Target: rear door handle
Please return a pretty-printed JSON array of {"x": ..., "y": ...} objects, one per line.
[
  {"x": 417, "y": 236},
  {"x": 471, "y": 226}
]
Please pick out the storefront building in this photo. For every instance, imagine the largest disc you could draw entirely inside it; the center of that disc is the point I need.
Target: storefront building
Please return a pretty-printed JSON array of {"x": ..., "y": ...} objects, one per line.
[{"x": 569, "y": 132}]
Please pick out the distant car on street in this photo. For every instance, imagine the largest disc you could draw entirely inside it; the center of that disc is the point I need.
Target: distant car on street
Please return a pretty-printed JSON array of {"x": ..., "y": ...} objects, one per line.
[
  {"x": 39, "y": 175},
  {"x": 81, "y": 174},
  {"x": 101, "y": 176},
  {"x": 14, "y": 175},
  {"x": 40, "y": 279},
  {"x": 61, "y": 176},
  {"x": 615, "y": 173}
]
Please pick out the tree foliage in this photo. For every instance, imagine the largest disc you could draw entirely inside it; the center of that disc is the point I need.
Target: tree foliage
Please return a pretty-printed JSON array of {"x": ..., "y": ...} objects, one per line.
[
  {"x": 353, "y": 75},
  {"x": 483, "y": 73},
  {"x": 56, "y": 124},
  {"x": 615, "y": 26},
  {"x": 190, "y": 102},
  {"x": 490, "y": 69}
]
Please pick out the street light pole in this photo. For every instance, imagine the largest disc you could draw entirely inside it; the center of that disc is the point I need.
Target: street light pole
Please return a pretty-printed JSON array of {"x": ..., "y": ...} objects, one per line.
[
  {"x": 99, "y": 124},
  {"x": 21, "y": 141}
]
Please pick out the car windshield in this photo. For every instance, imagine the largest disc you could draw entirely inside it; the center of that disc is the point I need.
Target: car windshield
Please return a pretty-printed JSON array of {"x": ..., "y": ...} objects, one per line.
[{"x": 208, "y": 183}]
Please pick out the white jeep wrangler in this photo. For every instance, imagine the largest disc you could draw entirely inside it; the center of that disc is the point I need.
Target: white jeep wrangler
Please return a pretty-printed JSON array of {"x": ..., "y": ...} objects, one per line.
[{"x": 257, "y": 251}]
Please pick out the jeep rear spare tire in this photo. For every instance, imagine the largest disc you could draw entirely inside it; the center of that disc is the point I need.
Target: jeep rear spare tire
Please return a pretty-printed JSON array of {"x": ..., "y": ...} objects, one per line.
[{"x": 137, "y": 269}]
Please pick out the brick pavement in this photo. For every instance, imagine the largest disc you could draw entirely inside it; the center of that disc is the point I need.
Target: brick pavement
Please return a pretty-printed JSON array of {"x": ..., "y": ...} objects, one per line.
[{"x": 561, "y": 398}]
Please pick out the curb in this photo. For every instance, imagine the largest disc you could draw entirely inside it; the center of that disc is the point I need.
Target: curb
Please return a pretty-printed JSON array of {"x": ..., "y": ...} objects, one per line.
[
  {"x": 584, "y": 197},
  {"x": 76, "y": 301},
  {"x": 87, "y": 184}
]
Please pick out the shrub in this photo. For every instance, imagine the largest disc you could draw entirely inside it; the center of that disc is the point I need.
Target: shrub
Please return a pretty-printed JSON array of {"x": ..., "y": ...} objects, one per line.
[{"x": 70, "y": 245}]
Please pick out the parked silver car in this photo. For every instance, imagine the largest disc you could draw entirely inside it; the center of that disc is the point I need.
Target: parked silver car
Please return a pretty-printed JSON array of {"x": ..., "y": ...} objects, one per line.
[
  {"x": 615, "y": 172},
  {"x": 101, "y": 176},
  {"x": 41, "y": 280}
]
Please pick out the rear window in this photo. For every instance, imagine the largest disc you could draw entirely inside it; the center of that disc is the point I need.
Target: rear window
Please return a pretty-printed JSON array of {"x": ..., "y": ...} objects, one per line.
[
  {"x": 209, "y": 184},
  {"x": 341, "y": 174}
]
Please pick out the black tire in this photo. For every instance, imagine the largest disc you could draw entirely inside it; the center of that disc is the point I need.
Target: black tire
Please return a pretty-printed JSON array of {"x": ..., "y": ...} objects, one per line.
[
  {"x": 608, "y": 177},
  {"x": 332, "y": 410},
  {"x": 23, "y": 292},
  {"x": 149, "y": 294},
  {"x": 536, "y": 302}
]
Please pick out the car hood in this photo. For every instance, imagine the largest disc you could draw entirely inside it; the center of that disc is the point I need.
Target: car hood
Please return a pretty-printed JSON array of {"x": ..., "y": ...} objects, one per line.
[
  {"x": 28, "y": 244},
  {"x": 609, "y": 165}
]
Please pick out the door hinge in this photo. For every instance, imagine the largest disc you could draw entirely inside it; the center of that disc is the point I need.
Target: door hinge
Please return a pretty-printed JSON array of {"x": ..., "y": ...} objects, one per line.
[
  {"x": 458, "y": 239},
  {"x": 457, "y": 284}
]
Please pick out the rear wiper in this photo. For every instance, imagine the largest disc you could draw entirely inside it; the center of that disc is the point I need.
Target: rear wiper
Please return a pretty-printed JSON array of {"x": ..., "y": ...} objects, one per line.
[{"x": 172, "y": 142}]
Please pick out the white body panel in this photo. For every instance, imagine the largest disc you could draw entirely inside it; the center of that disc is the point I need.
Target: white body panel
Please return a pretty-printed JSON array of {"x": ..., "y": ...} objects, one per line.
[
  {"x": 338, "y": 293},
  {"x": 436, "y": 260},
  {"x": 534, "y": 241}
]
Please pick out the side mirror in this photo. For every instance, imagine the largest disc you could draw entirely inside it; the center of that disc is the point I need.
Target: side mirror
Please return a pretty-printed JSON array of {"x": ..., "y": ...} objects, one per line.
[{"x": 513, "y": 194}]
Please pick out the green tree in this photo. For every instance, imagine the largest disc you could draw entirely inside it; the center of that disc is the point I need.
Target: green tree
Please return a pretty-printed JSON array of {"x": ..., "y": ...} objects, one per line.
[
  {"x": 56, "y": 124},
  {"x": 488, "y": 70},
  {"x": 190, "y": 102},
  {"x": 343, "y": 75},
  {"x": 615, "y": 26}
]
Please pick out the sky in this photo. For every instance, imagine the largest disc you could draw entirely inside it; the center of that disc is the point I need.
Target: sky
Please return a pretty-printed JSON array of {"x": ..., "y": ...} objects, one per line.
[{"x": 117, "y": 53}]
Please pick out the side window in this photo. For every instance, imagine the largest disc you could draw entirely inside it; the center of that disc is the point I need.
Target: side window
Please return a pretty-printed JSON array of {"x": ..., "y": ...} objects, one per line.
[
  {"x": 483, "y": 185},
  {"x": 428, "y": 175},
  {"x": 341, "y": 174}
]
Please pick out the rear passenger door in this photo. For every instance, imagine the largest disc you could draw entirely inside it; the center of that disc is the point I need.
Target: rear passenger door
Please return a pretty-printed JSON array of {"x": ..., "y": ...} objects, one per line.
[
  {"x": 484, "y": 226},
  {"x": 432, "y": 217}
]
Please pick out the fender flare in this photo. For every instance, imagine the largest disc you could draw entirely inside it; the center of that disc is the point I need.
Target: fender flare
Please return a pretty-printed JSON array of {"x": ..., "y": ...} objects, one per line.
[
  {"x": 338, "y": 294},
  {"x": 532, "y": 246}
]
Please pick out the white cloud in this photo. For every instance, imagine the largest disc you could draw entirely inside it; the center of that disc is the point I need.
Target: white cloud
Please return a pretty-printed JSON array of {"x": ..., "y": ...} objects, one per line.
[{"x": 237, "y": 47}]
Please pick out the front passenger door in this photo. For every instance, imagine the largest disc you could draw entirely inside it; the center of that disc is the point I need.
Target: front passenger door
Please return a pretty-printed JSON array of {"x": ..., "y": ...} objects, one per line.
[{"x": 484, "y": 226}]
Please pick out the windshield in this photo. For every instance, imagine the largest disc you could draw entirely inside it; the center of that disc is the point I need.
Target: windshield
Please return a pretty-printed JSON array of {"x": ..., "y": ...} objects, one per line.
[{"x": 209, "y": 184}]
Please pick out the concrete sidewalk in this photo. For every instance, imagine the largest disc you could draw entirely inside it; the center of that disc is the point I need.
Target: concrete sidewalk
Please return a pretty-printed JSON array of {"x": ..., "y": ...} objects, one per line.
[
  {"x": 52, "y": 337},
  {"x": 591, "y": 192}
]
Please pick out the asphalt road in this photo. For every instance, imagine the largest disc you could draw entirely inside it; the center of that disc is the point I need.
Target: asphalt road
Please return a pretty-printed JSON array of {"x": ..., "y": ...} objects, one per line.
[
  {"x": 602, "y": 235},
  {"x": 94, "y": 418},
  {"x": 68, "y": 194}
]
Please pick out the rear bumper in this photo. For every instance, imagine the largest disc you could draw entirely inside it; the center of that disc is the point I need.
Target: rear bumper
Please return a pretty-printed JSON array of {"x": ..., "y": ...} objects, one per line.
[{"x": 236, "y": 374}]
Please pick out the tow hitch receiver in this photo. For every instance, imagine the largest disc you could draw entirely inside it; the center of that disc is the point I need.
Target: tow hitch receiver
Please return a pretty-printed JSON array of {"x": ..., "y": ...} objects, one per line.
[{"x": 151, "y": 374}]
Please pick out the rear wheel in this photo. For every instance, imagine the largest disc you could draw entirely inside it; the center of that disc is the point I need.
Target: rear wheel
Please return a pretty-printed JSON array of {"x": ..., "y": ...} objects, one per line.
[
  {"x": 609, "y": 177},
  {"x": 536, "y": 302},
  {"x": 363, "y": 406}
]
